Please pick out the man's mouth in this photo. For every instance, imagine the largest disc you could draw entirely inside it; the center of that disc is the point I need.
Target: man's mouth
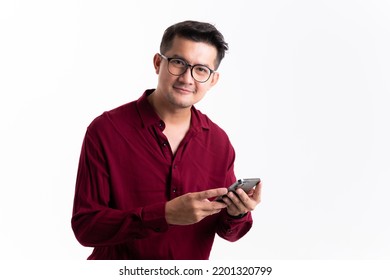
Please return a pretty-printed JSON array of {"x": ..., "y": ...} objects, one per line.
[{"x": 184, "y": 90}]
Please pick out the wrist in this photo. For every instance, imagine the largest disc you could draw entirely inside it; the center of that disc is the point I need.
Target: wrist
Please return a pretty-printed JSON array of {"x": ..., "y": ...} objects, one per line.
[{"x": 239, "y": 216}]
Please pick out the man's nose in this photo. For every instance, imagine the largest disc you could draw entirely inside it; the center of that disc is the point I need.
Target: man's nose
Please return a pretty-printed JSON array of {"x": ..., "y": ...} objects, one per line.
[{"x": 187, "y": 76}]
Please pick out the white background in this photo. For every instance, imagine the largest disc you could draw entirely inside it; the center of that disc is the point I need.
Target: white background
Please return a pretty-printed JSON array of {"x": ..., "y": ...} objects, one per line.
[{"x": 303, "y": 94}]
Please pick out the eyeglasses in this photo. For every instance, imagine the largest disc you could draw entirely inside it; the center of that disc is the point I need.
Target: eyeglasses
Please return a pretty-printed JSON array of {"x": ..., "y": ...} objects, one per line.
[{"x": 177, "y": 67}]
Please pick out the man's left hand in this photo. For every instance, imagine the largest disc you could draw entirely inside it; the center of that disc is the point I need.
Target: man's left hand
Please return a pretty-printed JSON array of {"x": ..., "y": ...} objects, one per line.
[{"x": 241, "y": 202}]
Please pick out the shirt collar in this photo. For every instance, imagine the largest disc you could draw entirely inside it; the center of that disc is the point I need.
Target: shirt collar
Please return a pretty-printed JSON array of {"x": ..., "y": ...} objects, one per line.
[
  {"x": 145, "y": 109},
  {"x": 149, "y": 117}
]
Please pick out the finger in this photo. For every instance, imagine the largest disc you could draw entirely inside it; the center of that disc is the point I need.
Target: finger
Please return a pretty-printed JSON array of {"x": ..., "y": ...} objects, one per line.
[
  {"x": 243, "y": 197},
  {"x": 216, "y": 205},
  {"x": 238, "y": 199},
  {"x": 257, "y": 192},
  {"x": 211, "y": 193},
  {"x": 230, "y": 205},
  {"x": 227, "y": 201}
]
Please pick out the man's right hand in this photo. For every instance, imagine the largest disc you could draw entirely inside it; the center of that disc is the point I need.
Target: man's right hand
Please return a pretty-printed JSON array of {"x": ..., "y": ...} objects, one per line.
[{"x": 191, "y": 208}]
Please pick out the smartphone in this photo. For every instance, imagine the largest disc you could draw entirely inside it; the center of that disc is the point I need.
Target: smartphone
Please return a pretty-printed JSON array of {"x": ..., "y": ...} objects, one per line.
[{"x": 245, "y": 184}]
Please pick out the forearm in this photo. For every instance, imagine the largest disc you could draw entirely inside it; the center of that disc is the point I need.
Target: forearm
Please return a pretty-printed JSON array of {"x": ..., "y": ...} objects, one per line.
[
  {"x": 231, "y": 228},
  {"x": 105, "y": 226}
]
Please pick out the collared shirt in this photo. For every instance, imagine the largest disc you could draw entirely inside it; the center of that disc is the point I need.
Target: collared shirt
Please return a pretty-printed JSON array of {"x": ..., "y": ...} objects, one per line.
[{"x": 127, "y": 172}]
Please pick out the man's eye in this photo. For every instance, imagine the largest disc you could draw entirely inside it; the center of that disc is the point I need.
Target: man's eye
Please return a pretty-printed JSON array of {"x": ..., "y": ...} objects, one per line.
[
  {"x": 202, "y": 69},
  {"x": 178, "y": 62}
]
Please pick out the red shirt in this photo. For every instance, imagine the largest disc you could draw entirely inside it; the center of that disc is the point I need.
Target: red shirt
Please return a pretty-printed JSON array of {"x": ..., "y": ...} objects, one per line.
[{"x": 126, "y": 174}]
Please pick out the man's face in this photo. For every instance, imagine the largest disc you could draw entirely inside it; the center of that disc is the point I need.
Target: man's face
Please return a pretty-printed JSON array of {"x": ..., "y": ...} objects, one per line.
[{"x": 183, "y": 91}]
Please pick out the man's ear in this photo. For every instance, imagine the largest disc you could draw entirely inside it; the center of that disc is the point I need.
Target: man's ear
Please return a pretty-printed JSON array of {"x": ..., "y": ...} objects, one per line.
[
  {"x": 157, "y": 63},
  {"x": 214, "y": 79}
]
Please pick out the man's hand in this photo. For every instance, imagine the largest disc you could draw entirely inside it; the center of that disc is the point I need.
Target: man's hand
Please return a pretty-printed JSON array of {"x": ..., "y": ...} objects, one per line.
[
  {"x": 191, "y": 208},
  {"x": 241, "y": 202}
]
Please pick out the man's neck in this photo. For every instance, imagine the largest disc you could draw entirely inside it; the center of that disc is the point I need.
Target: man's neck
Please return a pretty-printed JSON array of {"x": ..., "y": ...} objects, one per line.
[
  {"x": 169, "y": 114},
  {"x": 177, "y": 120}
]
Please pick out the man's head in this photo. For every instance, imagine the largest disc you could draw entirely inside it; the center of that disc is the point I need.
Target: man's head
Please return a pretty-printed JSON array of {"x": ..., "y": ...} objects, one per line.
[
  {"x": 190, "y": 52},
  {"x": 197, "y": 32}
]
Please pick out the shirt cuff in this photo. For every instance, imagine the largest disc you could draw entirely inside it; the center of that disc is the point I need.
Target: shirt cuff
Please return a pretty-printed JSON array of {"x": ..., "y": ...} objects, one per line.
[
  {"x": 236, "y": 219},
  {"x": 153, "y": 217},
  {"x": 238, "y": 216}
]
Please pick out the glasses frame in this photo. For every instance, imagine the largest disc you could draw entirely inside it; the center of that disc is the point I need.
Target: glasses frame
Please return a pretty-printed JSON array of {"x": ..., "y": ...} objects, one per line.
[{"x": 187, "y": 66}]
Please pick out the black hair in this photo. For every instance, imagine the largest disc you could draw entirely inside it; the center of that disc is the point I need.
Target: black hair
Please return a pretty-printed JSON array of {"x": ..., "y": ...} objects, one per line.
[{"x": 197, "y": 32}]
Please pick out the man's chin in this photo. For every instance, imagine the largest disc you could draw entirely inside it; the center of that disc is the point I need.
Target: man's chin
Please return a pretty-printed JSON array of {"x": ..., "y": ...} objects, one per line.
[{"x": 183, "y": 102}]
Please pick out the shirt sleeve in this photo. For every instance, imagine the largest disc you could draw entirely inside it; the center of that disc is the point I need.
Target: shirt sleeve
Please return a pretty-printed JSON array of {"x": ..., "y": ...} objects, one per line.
[
  {"x": 228, "y": 227},
  {"x": 231, "y": 228},
  {"x": 94, "y": 222}
]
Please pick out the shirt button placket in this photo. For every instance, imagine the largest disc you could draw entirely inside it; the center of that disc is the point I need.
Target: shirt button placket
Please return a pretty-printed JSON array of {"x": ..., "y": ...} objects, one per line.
[{"x": 174, "y": 179}]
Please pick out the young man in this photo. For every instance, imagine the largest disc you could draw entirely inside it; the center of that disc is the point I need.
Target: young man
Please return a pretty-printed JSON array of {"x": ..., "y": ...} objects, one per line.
[{"x": 149, "y": 170}]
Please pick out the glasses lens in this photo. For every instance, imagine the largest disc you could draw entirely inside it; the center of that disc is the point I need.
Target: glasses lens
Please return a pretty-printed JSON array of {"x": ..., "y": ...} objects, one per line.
[
  {"x": 177, "y": 66},
  {"x": 199, "y": 72}
]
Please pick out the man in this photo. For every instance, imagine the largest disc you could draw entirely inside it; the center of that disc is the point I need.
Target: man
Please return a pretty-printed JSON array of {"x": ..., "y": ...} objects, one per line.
[{"x": 149, "y": 170}]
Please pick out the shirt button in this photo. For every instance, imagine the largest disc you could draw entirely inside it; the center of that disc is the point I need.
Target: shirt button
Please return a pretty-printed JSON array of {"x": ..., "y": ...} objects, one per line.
[
  {"x": 161, "y": 125},
  {"x": 174, "y": 190}
]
